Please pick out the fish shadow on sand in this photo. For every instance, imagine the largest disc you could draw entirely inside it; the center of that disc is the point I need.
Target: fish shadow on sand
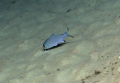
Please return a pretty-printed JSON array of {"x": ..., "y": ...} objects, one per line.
[{"x": 59, "y": 45}]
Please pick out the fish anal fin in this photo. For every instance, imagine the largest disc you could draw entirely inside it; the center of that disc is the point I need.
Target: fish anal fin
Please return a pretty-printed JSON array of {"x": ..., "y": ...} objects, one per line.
[{"x": 63, "y": 41}]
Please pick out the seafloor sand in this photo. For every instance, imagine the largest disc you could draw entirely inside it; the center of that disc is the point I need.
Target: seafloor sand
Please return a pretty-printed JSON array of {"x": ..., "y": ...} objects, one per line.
[{"x": 93, "y": 56}]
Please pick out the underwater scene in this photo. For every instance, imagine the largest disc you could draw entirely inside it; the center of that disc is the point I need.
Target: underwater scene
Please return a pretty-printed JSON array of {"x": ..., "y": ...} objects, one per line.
[{"x": 60, "y": 41}]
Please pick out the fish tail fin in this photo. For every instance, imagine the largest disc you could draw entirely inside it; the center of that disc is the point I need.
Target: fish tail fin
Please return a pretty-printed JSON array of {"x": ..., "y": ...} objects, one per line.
[{"x": 66, "y": 33}]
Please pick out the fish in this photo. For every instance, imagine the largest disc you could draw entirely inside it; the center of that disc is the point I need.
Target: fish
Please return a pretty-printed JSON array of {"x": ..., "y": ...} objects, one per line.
[{"x": 55, "y": 40}]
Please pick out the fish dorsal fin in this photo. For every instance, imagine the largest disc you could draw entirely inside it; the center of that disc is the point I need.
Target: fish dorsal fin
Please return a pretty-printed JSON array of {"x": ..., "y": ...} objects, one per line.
[{"x": 52, "y": 35}]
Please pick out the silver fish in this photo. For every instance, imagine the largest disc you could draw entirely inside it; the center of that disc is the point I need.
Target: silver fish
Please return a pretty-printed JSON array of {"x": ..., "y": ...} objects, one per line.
[{"x": 55, "y": 40}]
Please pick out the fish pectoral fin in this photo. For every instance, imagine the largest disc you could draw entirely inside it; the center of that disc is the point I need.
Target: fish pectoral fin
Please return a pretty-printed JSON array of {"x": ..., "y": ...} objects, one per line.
[{"x": 62, "y": 42}]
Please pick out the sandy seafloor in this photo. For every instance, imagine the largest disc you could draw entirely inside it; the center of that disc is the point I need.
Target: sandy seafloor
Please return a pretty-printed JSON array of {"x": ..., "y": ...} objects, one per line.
[{"x": 92, "y": 56}]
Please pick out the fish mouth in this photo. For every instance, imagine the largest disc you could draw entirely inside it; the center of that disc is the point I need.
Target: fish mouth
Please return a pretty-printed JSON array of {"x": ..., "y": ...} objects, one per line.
[{"x": 44, "y": 47}]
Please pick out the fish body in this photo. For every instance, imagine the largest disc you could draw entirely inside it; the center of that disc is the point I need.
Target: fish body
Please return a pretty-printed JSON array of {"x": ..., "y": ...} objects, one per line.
[{"x": 55, "y": 40}]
